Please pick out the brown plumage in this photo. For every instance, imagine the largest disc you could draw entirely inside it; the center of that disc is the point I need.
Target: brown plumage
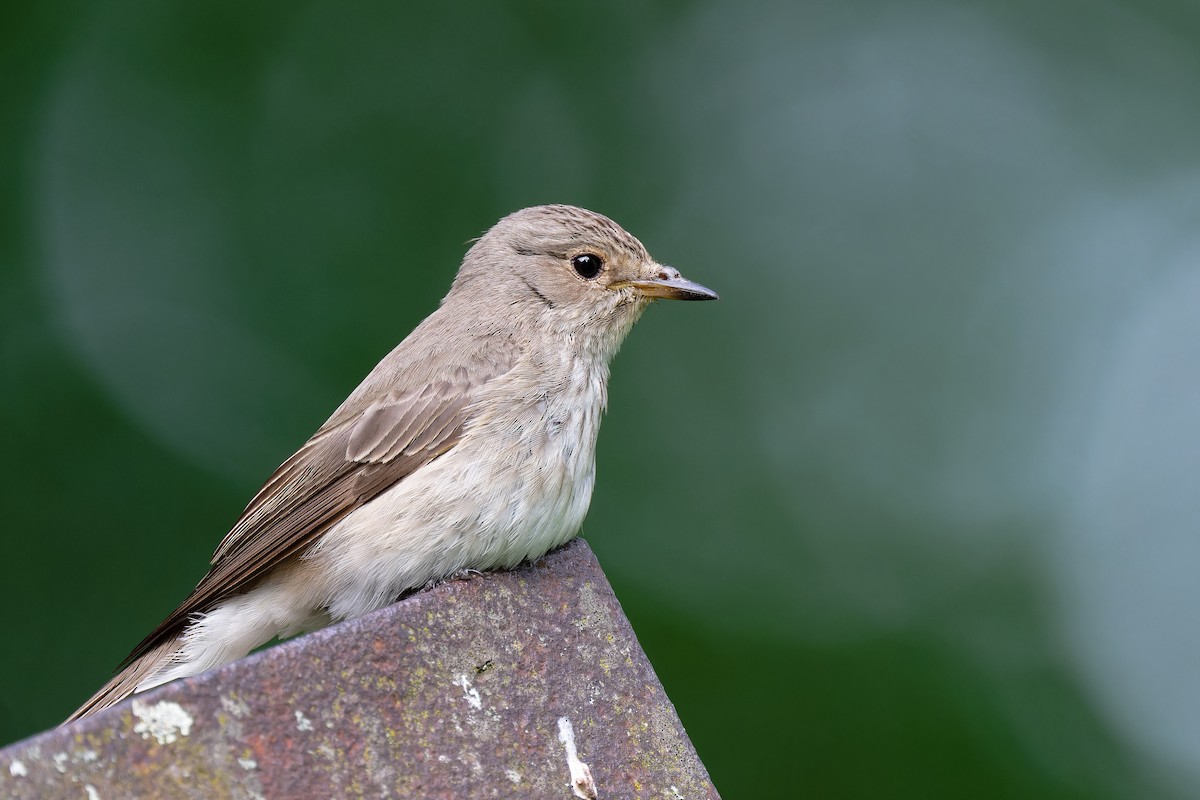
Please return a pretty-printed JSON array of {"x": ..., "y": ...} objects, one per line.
[
  {"x": 514, "y": 362},
  {"x": 364, "y": 448}
]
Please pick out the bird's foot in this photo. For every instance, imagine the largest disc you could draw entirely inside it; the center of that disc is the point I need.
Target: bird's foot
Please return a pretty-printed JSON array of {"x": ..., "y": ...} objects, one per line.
[{"x": 460, "y": 575}]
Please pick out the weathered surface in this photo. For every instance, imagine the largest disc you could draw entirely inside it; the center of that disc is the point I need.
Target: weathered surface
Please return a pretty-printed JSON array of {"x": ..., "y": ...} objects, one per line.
[{"x": 466, "y": 690}]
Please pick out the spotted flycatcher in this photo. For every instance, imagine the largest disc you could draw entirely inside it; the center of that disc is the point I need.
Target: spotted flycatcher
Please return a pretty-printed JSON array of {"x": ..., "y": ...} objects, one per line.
[{"x": 470, "y": 446}]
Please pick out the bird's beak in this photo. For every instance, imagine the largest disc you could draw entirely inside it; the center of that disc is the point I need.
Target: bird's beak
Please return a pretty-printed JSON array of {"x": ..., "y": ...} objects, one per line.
[{"x": 669, "y": 285}]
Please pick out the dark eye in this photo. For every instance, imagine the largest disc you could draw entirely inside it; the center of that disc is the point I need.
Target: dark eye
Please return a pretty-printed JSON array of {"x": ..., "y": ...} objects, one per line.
[{"x": 587, "y": 265}]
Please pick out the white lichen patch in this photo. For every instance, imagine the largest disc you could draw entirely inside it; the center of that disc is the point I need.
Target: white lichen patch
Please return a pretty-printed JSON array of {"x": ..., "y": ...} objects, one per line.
[
  {"x": 303, "y": 723},
  {"x": 512, "y": 775},
  {"x": 164, "y": 721},
  {"x": 582, "y": 782},
  {"x": 234, "y": 706},
  {"x": 675, "y": 794},
  {"x": 17, "y": 768},
  {"x": 247, "y": 763},
  {"x": 469, "y": 692},
  {"x": 60, "y": 760},
  {"x": 92, "y": 794}
]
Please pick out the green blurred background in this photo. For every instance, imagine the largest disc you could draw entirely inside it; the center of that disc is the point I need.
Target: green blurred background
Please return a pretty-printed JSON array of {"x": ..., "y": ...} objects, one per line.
[{"x": 913, "y": 512}]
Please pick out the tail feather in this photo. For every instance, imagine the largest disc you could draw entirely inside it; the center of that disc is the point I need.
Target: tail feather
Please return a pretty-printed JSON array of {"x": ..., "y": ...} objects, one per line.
[{"x": 126, "y": 681}]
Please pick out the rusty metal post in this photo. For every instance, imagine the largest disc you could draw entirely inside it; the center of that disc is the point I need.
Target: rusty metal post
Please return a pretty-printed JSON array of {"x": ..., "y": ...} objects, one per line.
[{"x": 523, "y": 684}]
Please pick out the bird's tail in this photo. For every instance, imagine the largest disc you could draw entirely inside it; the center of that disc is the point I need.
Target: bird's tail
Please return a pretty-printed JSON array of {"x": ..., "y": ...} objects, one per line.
[{"x": 128, "y": 678}]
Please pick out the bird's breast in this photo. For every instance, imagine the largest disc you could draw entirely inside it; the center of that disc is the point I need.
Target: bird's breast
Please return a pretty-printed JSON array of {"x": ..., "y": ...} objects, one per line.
[
  {"x": 534, "y": 442},
  {"x": 516, "y": 485},
  {"x": 542, "y": 447}
]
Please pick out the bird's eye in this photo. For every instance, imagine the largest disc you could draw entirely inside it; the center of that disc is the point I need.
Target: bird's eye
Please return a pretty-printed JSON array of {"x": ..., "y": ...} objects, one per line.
[{"x": 587, "y": 265}]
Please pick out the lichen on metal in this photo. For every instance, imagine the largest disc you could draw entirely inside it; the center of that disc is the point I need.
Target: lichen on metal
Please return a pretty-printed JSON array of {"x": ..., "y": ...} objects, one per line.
[{"x": 527, "y": 683}]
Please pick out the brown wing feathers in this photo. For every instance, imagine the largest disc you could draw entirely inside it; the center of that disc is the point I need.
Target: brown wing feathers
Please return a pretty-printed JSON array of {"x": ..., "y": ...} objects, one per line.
[{"x": 353, "y": 458}]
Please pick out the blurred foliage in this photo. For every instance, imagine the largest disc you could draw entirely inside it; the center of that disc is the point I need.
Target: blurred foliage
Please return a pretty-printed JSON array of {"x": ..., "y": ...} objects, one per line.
[{"x": 911, "y": 513}]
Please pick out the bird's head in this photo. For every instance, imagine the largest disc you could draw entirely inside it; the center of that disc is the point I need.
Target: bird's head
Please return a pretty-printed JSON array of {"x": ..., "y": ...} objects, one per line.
[{"x": 561, "y": 266}]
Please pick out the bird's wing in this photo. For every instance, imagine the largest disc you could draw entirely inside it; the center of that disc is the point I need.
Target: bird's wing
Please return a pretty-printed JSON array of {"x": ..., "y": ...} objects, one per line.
[{"x": 354, "y": 457}]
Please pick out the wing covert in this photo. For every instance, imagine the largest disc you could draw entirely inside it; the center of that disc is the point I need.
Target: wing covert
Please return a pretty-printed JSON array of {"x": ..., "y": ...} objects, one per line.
[{"x": 355, "y": 456}]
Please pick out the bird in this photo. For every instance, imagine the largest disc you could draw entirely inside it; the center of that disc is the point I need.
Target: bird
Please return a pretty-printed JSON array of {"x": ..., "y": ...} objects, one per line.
[{"x": 469, "y": 447}]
